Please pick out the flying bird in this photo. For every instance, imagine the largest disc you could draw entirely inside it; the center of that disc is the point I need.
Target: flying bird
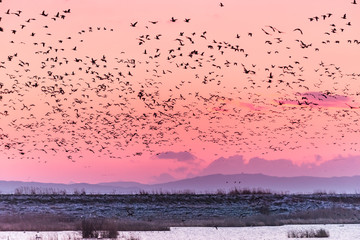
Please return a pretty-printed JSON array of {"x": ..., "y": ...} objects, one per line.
[
  {"x": 265, "y": 32},
  {"x": 298, "y": 29},
  {"x": 44, "y": 14}
]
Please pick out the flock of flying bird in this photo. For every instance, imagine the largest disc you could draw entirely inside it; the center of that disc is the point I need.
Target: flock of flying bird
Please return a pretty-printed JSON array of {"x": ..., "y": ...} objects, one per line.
[{"x": 57, "y": 101}]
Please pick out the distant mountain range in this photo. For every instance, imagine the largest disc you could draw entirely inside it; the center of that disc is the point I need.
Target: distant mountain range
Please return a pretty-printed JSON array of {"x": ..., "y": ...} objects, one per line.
[{"x": 201, "y": 184}]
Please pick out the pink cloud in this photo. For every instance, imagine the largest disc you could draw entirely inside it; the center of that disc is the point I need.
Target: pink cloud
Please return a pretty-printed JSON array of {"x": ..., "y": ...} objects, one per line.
[
  {"x": 318, "y": 99},
  {"x": 340, "y": 166},
  {"x": 229, "y": 103},
  {"x": 179, "y": 156}
]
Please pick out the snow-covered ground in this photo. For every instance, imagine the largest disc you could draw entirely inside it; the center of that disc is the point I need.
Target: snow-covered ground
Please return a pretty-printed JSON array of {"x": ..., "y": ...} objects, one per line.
[{"x": 337, "y": 231}]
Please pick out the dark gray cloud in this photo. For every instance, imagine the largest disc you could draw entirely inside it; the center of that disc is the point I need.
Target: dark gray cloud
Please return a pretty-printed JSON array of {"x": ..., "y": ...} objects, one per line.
[{"x": 179, "y": 156}]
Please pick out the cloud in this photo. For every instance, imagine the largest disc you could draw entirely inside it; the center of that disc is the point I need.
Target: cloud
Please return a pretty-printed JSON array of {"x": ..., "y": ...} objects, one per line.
[
  {"x": 181, "y": 170},
  {"x": 228, "y": 103},
  {"x": 318, "y": 99},
  {"x": 236, "y": 164},
  {"x": 179, "y": 156},
  {"x": 340, "y": 166},
  {"x": 231, "y": 165}
]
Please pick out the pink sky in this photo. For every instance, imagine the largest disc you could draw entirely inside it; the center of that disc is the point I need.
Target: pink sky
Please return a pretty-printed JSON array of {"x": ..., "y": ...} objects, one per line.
[{"x": 182, "y": 102}]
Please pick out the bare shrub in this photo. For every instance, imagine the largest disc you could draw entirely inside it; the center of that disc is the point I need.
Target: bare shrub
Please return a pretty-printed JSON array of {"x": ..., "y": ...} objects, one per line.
[
  {"x": 143, "y": 192},
  {"x": 133, "y": 238},
  {"x": 110, "y": 229},
  {"x": 28, "y": 190},
  {"x": 220, "y": 192},
  {"x": 95, "y": 228},
  {"x": 81, "y": 192},
  {"x": 89, "y": 228},
  {"x": 247, "y": 191},
  {"x": 320, "y": 233}
]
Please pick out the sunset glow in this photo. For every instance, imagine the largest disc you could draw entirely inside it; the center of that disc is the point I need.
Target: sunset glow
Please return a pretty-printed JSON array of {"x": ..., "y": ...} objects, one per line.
[{"x": 153, "y": 91}]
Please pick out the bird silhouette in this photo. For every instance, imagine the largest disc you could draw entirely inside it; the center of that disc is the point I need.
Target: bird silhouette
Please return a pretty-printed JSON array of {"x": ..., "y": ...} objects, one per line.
[
  {"x": 44, "y": 14},
  {"x": 104, "y": 102},
  {"x": 298, "y": 29}
]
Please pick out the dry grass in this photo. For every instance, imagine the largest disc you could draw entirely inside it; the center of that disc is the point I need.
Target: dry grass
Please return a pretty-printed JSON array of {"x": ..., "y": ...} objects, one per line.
[
  {"x": 26, "y": 190},
  {"x": 37, "y": 222},
  {"x": 319, "y": 216},
  {"x": 261, "y": 210},
  {"x": 49, "y": 222},
  {"x": 248, "y": 191},
  {"x": 234, "y": 191},
  {"x": 325, "y": 215}
]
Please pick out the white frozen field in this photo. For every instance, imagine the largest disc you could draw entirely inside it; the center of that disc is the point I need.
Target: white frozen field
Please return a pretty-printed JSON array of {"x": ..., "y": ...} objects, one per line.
[{"x": 337, "y": 231}]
